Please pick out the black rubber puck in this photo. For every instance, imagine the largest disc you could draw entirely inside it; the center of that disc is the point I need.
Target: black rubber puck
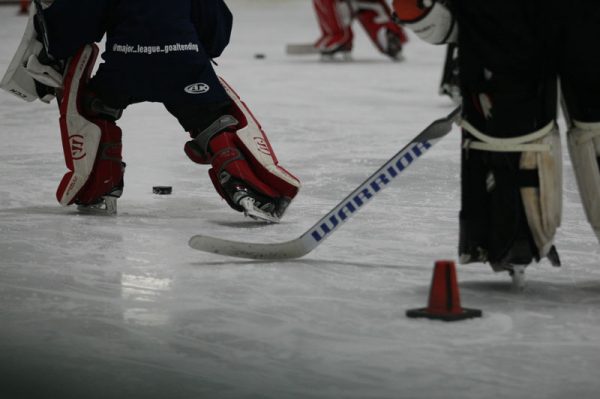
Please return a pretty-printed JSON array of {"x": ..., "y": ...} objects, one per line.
[
  {"x": 162, "y": 190},
  {"x": 259, "y": 56}
]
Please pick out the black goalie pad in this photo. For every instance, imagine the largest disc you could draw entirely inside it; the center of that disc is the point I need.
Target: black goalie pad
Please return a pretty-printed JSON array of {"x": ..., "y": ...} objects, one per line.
[{"x": 493, "y": 224}]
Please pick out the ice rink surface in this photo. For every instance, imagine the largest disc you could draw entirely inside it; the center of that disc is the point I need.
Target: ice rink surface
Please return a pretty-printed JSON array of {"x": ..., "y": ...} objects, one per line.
[{"x": 121, "y": 307}]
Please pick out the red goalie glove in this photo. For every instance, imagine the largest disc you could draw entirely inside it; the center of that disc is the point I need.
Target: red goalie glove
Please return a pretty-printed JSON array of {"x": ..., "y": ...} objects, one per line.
[{"x": 411, "y": 10}]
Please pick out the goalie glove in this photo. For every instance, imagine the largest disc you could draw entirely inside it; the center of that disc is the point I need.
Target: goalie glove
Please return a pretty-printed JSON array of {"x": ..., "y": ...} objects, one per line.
[
  {"x": 31, "y": 74},
  {"x": 431, "y": 20},
  {"x": 40, "y": 65}
]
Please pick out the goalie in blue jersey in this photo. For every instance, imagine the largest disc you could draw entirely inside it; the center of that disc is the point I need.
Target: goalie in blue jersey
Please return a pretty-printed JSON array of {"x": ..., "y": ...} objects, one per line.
[{"x": 157, "y": 51}]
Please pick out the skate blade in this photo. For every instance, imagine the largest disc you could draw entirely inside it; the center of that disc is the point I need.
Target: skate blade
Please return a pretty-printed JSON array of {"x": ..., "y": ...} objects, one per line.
[
  {"x": 518, "y": 277},
  {"x": 255, "y": 213},
  {"x": 106, "y": 207},
  {"x": 338, "y": 56}
]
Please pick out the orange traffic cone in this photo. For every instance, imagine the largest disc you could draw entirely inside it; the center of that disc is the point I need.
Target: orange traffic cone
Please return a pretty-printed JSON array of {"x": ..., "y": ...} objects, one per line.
[
  {"x": 444, "y": 298},
  {"x": 24, "y": 7}
]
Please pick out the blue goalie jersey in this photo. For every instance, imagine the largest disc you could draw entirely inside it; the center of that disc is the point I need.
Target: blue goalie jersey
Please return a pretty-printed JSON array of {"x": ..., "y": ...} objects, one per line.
[{"x": 154, "y": 49}]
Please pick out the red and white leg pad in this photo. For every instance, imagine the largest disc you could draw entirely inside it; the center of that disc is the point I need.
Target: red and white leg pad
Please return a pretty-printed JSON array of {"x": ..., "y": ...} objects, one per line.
[
  {"x": 376, "y": 18},
  {"x": 89, "y": 176},
  {"x": 335, "y": 20},
  {"x": 229, "y": 162},
  {"x": 246, "y": 154},
  {"x": 106, "y": 178}
]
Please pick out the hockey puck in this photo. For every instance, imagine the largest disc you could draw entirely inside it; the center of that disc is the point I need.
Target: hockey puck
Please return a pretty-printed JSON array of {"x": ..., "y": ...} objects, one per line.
[
  {"x": 259, "y": 56},
  {"x": 162, "y": 190}
]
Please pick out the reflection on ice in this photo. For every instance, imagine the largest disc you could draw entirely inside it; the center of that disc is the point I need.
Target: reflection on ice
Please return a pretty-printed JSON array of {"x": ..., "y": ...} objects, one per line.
[{"x": 142, "y": 296}]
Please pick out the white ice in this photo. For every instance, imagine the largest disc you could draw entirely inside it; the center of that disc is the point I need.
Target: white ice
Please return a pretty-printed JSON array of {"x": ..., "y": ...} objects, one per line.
[{"x": 101, "y": 307}]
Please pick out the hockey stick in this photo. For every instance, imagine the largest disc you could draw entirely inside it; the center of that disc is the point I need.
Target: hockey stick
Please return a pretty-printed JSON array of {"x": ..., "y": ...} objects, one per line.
[
  {"x": 449, "y": 81},
  {"x": 347, "y": 208}
]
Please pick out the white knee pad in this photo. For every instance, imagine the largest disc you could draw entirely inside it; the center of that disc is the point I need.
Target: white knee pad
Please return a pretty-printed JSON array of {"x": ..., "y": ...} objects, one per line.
[{"x": 584, "y": 148}]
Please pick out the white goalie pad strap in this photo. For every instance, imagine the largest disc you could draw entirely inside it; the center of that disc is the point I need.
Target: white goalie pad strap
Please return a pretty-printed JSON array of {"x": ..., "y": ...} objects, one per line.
[
  {"x": 80, "y": 137},
  {"x": 527, "y": 142},
  {"x": 438, "y": 26},
  {"x": 16, "y": 80},
  {"x": 543, "y": 204},
  {"x": 254, "y": 139},
  {"x": 584, "y": 149}
]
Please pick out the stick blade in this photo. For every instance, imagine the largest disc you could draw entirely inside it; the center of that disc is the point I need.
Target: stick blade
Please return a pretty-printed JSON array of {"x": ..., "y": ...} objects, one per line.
[
  {"x": 301, "y": 49},
  {"x": 266, "y": 251}
]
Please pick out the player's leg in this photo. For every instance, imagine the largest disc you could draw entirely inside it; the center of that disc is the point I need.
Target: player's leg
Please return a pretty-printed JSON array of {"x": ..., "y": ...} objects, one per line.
[
  {"x": 245, "y": 170},
  {"x": 91, "y": 141},
  {"x": 581, "y": 90},
  {"x": 335, "y": 20},
  {"x": 511, "y": 162},
  {"x": 376, "y": 18}
]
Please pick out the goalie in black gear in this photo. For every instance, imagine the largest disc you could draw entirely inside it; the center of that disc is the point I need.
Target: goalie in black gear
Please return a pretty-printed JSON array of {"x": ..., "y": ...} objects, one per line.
[{"x": 513, "y": 53}]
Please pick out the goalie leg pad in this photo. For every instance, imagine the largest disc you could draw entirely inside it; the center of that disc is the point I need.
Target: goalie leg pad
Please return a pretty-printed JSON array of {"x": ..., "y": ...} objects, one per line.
[
  {"x": 584, "y": 149},
  {"x": 197, "y": 149},
  {"x": 511, "y": 196},
  {"x": 258, "y": 150},
  {"x": 106, "y": 177},
  {"x": 91, "y": 146},
  {"x": 231, "y": 172},
  {"x": 543, "y": 203},
  {"x": 335, "y": 20},
  {"x": 376, "y": 18},
  {"x": 80, "y": 137},
  {"x": 242, "y": 159}
]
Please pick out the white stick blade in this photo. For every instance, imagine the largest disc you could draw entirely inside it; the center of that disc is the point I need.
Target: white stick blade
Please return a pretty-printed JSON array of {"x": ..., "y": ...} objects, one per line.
[
  {"x": 285, "y": 250},
  {"x": 301, "y": 49}
]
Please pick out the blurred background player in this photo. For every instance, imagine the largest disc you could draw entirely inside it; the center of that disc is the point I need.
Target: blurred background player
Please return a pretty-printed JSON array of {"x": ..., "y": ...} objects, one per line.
[
  {"x": 158, "y": 51},
  {"x": 512, "y": 54},
  {"x": 335, "y": 19}
]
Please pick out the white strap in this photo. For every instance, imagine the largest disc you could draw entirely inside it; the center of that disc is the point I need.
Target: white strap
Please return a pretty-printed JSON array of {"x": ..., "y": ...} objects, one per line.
[
  {"x": 589, "y": 131},
  {"x": 512, "y": 144},
  {"x": 587, "y": 125}
]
